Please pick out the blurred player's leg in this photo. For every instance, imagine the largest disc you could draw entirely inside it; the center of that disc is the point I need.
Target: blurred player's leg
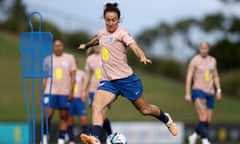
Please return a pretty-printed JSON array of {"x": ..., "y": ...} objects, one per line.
[
  {"x": 201, "y": 108},
  {"x": 192, "y": 139},
  {"x": 63, "y": 125},
  {"x": 81, "y": 112},
  {"x": 70, "y": 129},
  {"x": 48, "y": 114},
  {"x": 83, "y": 123}
]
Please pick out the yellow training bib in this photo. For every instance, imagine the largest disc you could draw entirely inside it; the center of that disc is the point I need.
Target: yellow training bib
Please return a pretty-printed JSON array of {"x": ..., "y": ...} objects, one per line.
[
  {"x": 58, "y": 73},
  {"x": 98, "y": 74},
  {"x": 105, "y": 54},
  {"x": 75, "y": 88},
  {"x": 207, "y": 76}
]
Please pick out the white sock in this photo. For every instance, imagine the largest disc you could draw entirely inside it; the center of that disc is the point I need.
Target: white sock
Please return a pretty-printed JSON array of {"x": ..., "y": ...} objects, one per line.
[
  {"x": 205, "y": 141},
  {"x": 60, "y": 141},
  {"x": 45, "y": 139},
  {"x": 194, "y": 135}
]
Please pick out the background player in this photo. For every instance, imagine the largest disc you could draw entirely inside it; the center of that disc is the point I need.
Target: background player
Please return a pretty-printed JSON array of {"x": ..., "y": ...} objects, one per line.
[
  {"x": 202, "y": 71},
  {"x": 63, "y": 80},
  {"x": 77, "y": 106}
]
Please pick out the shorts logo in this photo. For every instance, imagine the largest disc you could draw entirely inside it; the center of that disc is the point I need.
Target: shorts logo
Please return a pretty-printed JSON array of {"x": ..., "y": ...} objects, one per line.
[
  {"x": 101, "y": 84},
  {"x": 136, "y": 93},
  {"x": 46, "y": 100},
  {"x": 111, "y": 39}
]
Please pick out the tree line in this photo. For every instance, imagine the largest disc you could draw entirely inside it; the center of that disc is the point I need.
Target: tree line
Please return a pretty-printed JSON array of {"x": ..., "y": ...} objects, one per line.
[{"x": 224, "y": 31}]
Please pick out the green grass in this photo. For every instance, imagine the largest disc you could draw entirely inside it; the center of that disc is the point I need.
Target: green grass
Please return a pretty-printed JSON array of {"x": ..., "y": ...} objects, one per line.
[{"x": 167, "y": 94}]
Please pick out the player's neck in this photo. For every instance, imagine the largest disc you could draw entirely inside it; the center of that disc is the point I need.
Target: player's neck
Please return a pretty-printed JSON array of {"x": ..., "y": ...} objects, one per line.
[
  {"x": 58, "y": 55},
  {"x": 97, "y": 54},
  {"x": 204, "y": 56}
]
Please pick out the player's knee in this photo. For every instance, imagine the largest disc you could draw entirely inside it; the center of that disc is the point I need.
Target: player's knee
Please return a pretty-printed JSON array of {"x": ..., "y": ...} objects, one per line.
[
  {"x": 64, "y": 116},
  {"x": 203, "y": 117}
]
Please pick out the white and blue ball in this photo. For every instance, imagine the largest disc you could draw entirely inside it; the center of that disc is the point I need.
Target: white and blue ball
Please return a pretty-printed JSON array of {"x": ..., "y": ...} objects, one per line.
[{"x": 116, "y": 138}]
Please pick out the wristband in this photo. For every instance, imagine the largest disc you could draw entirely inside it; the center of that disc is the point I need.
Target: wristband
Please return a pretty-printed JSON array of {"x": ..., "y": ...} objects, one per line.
[
  {"x": 88, "y": 45},
  {"x": 219, "y": 90}
]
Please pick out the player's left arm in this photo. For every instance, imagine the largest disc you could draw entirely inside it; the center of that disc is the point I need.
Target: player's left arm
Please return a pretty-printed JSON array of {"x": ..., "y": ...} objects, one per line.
[
  {"x": 93, "y": 42},
  {"x": 73, "y": 70},
  {"x": 217, "y": 82},
  {"x": 139, "y": 53}
]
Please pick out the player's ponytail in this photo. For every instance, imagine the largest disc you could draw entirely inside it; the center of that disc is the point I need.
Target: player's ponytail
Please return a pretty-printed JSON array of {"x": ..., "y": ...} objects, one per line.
[{"x": 111, "y": 7}]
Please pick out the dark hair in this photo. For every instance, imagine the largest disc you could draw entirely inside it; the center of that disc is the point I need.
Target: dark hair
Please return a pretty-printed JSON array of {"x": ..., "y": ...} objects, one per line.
[
  {"x": 111, "y": 7},
  {"x": 57, "y": 39}
]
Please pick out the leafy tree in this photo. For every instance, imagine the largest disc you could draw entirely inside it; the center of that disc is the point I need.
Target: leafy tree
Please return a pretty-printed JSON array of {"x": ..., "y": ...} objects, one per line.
[
  {"x": 2, "y": 5},
  {"x": 17, "y": 16},
  {"x": 17, "y": 11},
  {"x": 227, "y": 54},
  {"x": 213, "y": 22},
  {"x": 1, "y": 1},
  {"x": 230, "y": 1}
]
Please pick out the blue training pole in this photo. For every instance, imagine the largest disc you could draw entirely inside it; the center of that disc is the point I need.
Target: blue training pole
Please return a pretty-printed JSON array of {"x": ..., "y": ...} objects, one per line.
[{"x": 35, "y": 46}]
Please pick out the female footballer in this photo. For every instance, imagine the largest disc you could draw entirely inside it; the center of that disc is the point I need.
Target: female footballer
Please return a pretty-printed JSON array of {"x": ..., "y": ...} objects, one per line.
[
  {"x": 117, "y": 76},
  {"x": 202, "y": 72}
]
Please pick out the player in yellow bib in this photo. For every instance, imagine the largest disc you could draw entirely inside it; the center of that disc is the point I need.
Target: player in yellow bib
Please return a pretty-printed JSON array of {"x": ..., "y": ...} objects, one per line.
[
  {"x": 202, "y": 71},
  {"x": 63, "y": 81},
  {"x": 118, "y": 77}
]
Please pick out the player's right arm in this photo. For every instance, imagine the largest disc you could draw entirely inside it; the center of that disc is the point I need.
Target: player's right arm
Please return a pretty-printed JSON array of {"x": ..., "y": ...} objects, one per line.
[
  {"x": 189, "y": 78},
  {"x": 93, "y": 42},
  {"x": 87, "y": 82}
]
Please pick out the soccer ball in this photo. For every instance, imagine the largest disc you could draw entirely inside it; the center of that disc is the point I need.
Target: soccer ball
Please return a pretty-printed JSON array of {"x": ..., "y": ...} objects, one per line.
[{"x": 116, "y": 138}]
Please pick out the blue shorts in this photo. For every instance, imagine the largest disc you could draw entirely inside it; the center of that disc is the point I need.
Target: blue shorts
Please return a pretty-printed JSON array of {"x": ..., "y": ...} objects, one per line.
[
  {"x": 130, "y": 87},
  {"x": 58, "y": 101},
  {"x": 90, "y": 100},
  {"x": 203, "y": 95},
  {"x": 77, "y": 108}
]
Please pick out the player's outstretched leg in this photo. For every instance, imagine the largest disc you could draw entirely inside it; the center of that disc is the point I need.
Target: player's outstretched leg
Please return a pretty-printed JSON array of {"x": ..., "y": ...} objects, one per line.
[{"x": 148, "y": 109}]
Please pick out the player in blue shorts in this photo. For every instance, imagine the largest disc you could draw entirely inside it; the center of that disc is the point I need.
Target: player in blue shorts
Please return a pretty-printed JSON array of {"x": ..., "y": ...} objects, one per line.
[
  {"x": 117, "y": 76},
  {"x": 77, "y": 106},
  {"x": 63, "y": 80},
  {"x": 202, "y": 71}
]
